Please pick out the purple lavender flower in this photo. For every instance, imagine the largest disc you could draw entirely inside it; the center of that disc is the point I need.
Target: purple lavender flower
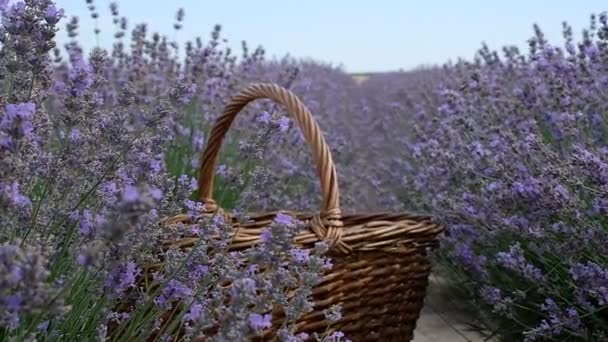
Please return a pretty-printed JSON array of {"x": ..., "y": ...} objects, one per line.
[
  {"x": 259, "y": 322},
  {"x": 500, "y": 304},
  {"x": 75, "y": 135},
  {"x": 173, "y": 291},
  {"x": 130, "y": 194},
  {"x": 194, "y": 208},
  {"x": 264, "y": 117},
  {"x": 470, "y": 260},
  {"x": 43, "y": 326},
  {"x": 17, "y": 120},
  {"x": 122, "y": 278},
  {"x": 81, "y": 77},
  {"x": 515, "y": 260},
  {"x": 284, "y": 124},
  {"x": 198, "y": 142},
  {"x": 14, "y": 112},
  {"x": 195, "y": 312},
  {"x": 52, "y": 15},
  {"x": 14, "y": 302},
  {"x": 284, "y": 219},
  {"x": 84, "y": 259},
  {"x": 86, "y": 226},
  {"x": 557, "y": 322},
  {"x": 529, "y": 188},
  {"x": 300, "y": 255},
  {"x": 244, "y": 286},
  {"x": 12, "y": 194},
  {"x": 592, "y": 284},
  {"x": 24, "y": 285},
  {"x": 266, "y": 235}
]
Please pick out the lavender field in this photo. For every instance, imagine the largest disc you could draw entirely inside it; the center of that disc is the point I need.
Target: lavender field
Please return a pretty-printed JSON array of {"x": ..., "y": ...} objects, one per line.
[{"x": 509, "y": 150}]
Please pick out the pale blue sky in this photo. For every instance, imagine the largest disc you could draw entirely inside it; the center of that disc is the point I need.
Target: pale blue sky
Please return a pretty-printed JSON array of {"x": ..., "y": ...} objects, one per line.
[{"x": 362, "y": 35}]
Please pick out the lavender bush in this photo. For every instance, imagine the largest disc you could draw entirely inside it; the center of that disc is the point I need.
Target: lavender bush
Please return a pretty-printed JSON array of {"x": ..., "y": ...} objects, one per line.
[
  {"x": 96, "y": 149},
  {"x": 510, "y": 149}
]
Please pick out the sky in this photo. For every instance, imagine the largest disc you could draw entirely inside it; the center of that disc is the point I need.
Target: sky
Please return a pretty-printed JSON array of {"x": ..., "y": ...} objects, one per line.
[{"x": 359, "y": 35}]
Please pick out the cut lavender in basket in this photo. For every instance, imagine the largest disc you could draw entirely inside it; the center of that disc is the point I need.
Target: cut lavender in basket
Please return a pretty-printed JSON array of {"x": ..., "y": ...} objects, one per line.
[{"x": 197, "y": 282}]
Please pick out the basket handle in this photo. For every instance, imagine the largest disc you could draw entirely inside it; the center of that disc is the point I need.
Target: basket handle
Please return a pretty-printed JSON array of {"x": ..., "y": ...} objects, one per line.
[{"x": 312, "y": 134}]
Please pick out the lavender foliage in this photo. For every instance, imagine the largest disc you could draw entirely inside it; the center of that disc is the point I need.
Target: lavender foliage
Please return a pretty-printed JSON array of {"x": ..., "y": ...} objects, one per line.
[
  {"x": 510, "y": 150},
  {"x": 95, "y": 149}
]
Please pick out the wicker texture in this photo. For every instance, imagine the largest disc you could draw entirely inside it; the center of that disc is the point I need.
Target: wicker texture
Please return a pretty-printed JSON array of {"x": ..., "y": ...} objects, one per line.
[{"x": 380, "y": 260}]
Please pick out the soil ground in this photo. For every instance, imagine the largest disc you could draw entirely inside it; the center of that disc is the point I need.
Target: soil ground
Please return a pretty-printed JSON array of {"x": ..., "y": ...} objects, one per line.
[{"x": 440, "y": 321}]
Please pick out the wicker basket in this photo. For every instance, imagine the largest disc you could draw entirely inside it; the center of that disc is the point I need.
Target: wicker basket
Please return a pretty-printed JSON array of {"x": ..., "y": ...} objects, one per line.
[{"x": 381, "y": 266}]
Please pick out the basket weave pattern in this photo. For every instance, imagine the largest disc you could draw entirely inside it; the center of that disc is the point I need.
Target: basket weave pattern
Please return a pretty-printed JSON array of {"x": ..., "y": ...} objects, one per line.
[{"x": 381, "y": 266}]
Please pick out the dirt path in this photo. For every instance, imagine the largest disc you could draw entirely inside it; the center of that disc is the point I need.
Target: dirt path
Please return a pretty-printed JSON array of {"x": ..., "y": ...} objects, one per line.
[{"x": 440, "y": 324}]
